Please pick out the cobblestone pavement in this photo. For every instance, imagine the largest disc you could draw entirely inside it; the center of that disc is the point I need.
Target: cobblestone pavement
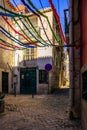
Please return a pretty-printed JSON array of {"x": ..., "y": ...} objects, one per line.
[{"x": 43, "y": 112}]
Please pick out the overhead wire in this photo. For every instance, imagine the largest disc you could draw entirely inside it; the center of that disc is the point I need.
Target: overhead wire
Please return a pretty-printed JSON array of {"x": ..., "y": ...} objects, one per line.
[
  {"x": 31, "y": 32},
  {"x": 6, "y": 18},
  {"x": 40, "y": 13},
  {"x": 58, "y": 19},
  {"x": 29, "y": 21},
  {"x": 10, "y": 37},
  {"x": 6, "y": 48},
  {"x": 7, "y": 15},
  {"x": 41, "y": 4},
  {"x": 15, "y": 30},
  {"x": 12, "y": 45},
  {"x": 27, "y": 27},
  {"x": 13, "y": 15},
  {"x": 38, "y": 35},
  {"x": 6, "y": 43},
  {"x": 48, "y": 44},
  {"x": 24, "y": 31},
  {"x": 7, "y": 34},
  {"x": 3, "y": 44},
  {"x": 38, "y": 17}
]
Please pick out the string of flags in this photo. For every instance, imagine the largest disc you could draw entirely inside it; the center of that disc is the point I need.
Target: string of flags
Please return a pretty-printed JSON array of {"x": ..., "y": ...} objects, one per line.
[{"x": 26, "y": 29}]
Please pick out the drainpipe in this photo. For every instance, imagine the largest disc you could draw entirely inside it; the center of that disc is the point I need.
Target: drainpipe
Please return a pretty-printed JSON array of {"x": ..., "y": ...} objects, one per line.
[{"x": 71, "y": 53}]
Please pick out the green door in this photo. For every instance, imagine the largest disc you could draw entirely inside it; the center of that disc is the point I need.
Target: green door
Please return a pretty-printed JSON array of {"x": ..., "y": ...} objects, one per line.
[{"x": 28, "y": 80}]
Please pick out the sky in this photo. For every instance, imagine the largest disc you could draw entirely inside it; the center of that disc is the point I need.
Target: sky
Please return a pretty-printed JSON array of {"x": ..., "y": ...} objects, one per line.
[{"x": 60, "y": 5}]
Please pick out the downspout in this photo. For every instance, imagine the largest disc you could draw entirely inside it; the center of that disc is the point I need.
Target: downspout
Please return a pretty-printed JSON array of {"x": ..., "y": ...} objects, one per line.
[
  {"x": 81, "y": 22},
  {"x": 71, "y": 53},
  {"x": 72, "y": 56}
]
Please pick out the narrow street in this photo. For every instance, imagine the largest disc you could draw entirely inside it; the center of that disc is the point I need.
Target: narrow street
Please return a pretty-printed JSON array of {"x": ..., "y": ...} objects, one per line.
[{"x": 43, "y": 112}]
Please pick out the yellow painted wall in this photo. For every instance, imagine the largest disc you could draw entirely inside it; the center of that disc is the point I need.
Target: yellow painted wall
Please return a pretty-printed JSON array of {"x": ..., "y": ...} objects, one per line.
[{"x": 6, "y": 56}]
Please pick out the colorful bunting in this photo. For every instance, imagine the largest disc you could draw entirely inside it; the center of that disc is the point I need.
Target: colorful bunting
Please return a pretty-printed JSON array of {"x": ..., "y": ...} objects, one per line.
[
  {"x": 11, "y": 45},
  {"x": 58, "y": 20},
  {"x": 37, "y": 16},
  {"x": 33, "y": 28},
  {"x": 23, "y": 16},
  {"x": 17, "y": 31},
  {"x": 46, "y": 19},
  {"x": 7, "y": 34},
  {"x": 25, "y": 20}
]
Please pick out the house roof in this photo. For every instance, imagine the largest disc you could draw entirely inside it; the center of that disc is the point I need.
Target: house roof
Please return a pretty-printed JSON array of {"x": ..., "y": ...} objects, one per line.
[
  {"x": 10, "y": 5},
  {"x": 20, "y": 7}
]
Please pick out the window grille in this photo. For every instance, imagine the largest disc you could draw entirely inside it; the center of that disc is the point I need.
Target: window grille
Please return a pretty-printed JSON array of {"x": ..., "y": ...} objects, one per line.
[{"x": 29, "y": 54}]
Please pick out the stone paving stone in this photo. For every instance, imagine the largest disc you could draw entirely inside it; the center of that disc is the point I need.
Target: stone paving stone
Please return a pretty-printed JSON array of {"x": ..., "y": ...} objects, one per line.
[{"x": 43, "y": 112}]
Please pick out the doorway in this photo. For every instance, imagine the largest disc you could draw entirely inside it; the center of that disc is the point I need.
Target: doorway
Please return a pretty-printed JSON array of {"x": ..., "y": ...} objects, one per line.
[
  {"x": 5, "y": 82},
  {"x": 28, "y": 80}
]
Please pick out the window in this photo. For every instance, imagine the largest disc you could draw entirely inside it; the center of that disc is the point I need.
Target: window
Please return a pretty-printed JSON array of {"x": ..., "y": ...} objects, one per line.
[
  {"x": 84, "y": 85},
  {"x": 43, "y": 76},
  {"x": 29, "y": 54}
]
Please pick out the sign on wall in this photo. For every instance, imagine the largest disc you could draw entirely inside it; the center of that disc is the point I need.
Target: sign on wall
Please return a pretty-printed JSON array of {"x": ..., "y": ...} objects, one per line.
[{"x": 48, "y": 67}]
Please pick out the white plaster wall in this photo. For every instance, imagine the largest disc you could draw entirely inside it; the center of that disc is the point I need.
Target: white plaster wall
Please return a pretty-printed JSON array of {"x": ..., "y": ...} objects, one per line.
[
  {"x": 46, "y": 25},
  {"x": 44, "y": 56},
  {"x": 41, "y": 62},
  {"x": 18, "y": 57},
  {"x": 44, "y": 52}
]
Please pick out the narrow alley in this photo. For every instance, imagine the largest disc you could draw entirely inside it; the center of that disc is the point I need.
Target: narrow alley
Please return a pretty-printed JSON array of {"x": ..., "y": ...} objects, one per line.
[{"x": 43, "y": 112}]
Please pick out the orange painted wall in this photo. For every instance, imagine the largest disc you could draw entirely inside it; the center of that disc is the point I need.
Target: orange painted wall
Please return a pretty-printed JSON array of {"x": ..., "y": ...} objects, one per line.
[{"x": 84, "y": 31}]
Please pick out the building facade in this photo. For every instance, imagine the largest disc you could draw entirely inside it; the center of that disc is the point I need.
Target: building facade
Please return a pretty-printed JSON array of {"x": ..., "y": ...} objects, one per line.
[
  {"x": 24, "y": 71},
  {"x": 83, "y": 24},
  {"x": 30, "y": 75},
  {"x": 6, "y": 55},
  {"x": 78, "y": 59}
]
